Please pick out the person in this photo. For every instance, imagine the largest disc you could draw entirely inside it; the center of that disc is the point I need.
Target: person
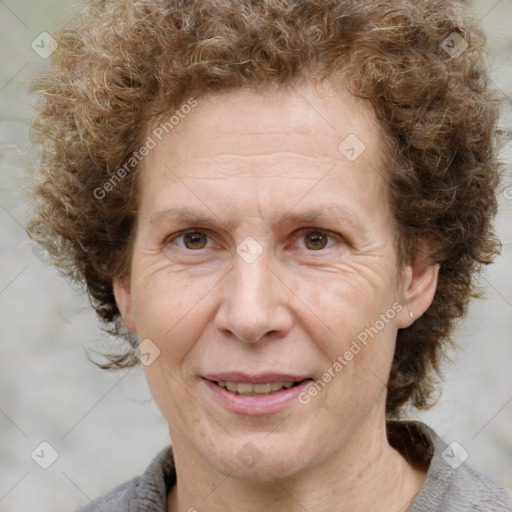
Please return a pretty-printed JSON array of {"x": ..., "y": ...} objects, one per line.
[{"x": 281, "y": 206}]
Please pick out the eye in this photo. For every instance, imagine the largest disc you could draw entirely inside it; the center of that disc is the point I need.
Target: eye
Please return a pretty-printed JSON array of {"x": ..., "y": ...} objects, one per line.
[
  {"x": 316, "y": 239},
  {"x": 195, "y": 240},
  {"x": 192, "y": 240}
]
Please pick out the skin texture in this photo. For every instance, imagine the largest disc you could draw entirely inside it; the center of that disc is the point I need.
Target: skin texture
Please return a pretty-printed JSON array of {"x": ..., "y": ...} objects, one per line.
[{"x": 242, "y": 159}]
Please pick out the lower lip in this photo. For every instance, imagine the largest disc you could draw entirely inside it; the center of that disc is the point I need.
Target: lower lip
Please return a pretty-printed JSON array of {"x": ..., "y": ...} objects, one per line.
[{"x": 253, "y": 404}]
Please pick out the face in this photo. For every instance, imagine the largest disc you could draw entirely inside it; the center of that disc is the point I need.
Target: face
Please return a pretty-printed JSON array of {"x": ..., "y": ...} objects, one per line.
[{"x": 264, "y": 259}]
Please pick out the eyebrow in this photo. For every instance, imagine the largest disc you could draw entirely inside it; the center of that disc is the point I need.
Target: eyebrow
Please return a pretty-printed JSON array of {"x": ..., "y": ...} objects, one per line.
[{"x": 329, "y": 212}]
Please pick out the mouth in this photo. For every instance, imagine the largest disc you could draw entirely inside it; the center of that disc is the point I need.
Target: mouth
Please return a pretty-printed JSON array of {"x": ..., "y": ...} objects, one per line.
[{"x": 256, "y": 394}]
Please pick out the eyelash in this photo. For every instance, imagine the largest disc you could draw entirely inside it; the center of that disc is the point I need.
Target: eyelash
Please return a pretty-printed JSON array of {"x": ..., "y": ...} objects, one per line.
[{"x": 302, "y": 233}]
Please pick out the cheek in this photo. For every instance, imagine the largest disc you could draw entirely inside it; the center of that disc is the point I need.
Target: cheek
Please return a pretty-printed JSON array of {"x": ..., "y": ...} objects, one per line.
[
  {"x": 354, "y": 328},
  {"x": 163, "y": 296},
  {"x": 346, "y": 302},
  {"x": 169, "y": 309}
]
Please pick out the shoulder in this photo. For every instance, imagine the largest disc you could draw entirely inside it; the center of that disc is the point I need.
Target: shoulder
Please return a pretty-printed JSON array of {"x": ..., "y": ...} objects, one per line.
[
  {"x": 110, "y": 501},
  {"x": 461, "y": 489},
  {"x": 451, "y": 484},
  {"x": 146, "y": 492},
  {"x": 476, "y": 491}
]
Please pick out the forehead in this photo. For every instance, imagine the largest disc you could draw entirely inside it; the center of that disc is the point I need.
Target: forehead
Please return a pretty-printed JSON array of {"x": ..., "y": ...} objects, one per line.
[
  {"x": 280, "y": 117},
  {"x": 288, "y": 135}
]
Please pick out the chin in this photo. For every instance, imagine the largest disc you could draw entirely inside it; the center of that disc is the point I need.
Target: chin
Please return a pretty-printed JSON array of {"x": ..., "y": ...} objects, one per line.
[{"x": 262, "y": 457}]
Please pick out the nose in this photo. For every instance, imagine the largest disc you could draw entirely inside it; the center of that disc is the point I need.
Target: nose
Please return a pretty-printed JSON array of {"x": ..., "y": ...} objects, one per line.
[{"x": 253, "y": 304}]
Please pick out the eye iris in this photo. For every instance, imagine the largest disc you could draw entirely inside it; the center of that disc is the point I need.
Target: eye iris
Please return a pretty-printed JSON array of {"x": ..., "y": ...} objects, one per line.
[
  {"x": 194, "y": 240},
  {"x": 318, "y": 241}
]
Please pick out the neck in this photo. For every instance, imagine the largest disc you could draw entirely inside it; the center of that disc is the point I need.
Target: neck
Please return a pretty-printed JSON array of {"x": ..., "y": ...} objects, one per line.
[{"x": 367, "y": 474}]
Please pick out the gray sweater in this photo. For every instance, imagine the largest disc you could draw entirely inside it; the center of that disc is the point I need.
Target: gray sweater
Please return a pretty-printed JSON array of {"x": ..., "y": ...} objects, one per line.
[{"x": 451, "y": 484}]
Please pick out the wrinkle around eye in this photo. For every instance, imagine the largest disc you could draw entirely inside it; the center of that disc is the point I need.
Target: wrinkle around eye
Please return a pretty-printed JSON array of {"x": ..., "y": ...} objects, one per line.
[{"x": 152, "y": 266}]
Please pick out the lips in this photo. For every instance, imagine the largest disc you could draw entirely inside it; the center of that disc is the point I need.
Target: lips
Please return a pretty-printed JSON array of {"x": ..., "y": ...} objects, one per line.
[{"x": 265, "y": 393}]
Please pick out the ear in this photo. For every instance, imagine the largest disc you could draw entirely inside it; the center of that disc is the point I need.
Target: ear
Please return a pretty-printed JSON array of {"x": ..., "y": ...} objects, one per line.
[
  {"x": 123, "y": 296},
  {"x": 418, "y": 287}
]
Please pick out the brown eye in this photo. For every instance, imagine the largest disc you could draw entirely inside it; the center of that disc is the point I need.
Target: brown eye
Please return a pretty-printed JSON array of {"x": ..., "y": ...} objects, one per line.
[
  {"x": 315, "y": 240},
  {"x": 195, "y": 240}
]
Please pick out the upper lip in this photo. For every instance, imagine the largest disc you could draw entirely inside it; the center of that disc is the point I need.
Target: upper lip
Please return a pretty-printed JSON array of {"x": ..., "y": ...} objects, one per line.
[{"x": 259, "y": 378}]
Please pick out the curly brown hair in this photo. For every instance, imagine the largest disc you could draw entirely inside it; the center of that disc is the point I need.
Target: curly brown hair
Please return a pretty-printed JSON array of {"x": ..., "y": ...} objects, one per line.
[{"x": 123, "y": 64}]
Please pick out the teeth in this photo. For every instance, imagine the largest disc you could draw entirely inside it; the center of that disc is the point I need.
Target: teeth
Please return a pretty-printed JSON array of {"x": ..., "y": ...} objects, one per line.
[
  {"x": 245, "y": 388},
  {"x": 263, "y": 388}
]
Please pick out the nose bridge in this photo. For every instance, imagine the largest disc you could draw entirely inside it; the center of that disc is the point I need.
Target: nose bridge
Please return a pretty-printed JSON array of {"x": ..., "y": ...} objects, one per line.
[{"x": 252, "y": 304}]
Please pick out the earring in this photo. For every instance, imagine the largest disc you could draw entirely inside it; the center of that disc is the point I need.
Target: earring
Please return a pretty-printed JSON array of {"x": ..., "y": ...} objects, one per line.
[{"x": 411, "y": 314}]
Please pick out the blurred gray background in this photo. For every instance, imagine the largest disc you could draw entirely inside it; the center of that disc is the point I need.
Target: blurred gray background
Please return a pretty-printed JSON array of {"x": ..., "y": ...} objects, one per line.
[{"x": 104, "y": 427}]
